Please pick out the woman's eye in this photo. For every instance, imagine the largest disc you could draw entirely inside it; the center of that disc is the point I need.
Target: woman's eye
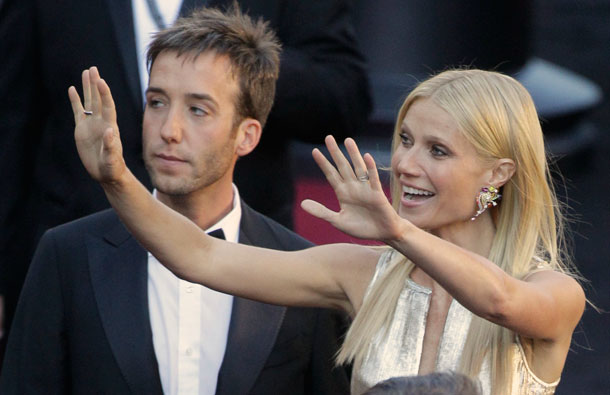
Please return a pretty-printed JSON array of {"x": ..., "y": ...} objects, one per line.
[
  {"x": 405, "y": 139},
  {"x": 438, "y": 151}
]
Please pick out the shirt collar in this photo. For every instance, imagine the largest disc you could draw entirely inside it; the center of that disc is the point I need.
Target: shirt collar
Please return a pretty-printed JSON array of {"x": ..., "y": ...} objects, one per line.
[{"x": 230, "y": 222}]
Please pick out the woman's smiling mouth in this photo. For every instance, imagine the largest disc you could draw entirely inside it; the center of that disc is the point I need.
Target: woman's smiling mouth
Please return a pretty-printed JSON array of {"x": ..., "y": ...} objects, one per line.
[{"x": 414, "y": 194}]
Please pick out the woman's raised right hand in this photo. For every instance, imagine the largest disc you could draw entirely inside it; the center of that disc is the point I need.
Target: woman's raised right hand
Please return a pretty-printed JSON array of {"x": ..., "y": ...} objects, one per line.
[{"x": 365, "y": 210}]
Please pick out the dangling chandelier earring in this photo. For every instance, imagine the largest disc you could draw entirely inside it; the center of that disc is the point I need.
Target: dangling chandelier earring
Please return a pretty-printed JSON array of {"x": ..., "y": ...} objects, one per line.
[{"x": 488, "y": 197}]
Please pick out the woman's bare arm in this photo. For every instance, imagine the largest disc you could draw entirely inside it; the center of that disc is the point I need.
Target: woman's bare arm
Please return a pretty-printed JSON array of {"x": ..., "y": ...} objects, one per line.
[
  {"x": 546, "y": 306},
  {"x": 328, "y": 276}
]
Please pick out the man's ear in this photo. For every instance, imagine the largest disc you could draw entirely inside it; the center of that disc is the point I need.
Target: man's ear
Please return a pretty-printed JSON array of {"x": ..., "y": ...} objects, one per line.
[
  {"x": 248, "y": 135},
  {"x": 502, "y": 171}
]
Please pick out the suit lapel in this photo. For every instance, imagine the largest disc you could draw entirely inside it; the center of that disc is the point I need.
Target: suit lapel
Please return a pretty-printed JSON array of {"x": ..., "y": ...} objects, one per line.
[
  {"x": 119, "y": 274},
  {"x": 123, "y": 29},
  {"x": 253, "y": 329}
]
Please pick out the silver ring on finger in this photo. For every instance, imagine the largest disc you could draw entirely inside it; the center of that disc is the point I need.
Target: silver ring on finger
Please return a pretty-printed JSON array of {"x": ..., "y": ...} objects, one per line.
[
  {"x": 87, "y": 112},
  {"x": 364, "y": 177}
]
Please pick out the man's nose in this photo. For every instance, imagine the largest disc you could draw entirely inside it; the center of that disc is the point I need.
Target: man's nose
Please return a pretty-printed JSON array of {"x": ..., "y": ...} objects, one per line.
[{"x": 171, "y": 130}]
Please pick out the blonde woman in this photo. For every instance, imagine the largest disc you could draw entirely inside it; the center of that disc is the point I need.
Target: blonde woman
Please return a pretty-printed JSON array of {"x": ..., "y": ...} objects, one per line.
[{"x": 474, "y": 278}]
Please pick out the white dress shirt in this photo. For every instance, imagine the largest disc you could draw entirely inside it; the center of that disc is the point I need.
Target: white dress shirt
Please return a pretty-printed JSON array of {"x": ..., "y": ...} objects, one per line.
[{"x": 190, "y": 323}]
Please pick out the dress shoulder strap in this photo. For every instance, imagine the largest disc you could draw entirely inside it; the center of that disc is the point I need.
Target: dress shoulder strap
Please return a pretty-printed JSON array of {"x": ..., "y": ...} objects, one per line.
[{"x": 538, "y": 265}]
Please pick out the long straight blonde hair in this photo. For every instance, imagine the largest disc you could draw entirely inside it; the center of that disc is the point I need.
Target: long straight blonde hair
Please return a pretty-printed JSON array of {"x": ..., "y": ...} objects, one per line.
[{"x": 497, "y": 116}]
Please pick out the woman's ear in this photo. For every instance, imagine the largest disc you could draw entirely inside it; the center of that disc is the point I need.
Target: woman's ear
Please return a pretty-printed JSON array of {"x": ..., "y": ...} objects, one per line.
[
  {"x": 248, "y": 135},
  {"x": 502, "y": 172}
]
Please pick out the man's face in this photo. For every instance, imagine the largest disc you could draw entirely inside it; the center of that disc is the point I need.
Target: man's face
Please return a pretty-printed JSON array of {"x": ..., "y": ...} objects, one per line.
[{"x": 188, "y": 132}]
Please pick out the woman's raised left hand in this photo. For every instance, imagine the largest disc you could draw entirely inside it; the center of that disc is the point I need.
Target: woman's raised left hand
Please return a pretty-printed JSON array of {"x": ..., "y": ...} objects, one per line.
[
  {"x": 96, "y": 132},
  {"x": 365, "y": 211}
]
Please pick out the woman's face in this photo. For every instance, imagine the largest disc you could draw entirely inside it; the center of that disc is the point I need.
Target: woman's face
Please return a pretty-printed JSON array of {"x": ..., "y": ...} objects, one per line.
[{"x": 438, "y": 170}]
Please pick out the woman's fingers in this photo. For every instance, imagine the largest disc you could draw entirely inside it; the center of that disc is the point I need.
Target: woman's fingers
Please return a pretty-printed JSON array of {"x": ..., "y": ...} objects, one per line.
[
  {"x": 318, "y": 210},
  {"x": 343, "y": 165},
  {"x": 364, "y": 168},
  {"x": 107, "y": 103},
  {"x": 86, "y": 90},
  {"x": 96, "y": 101},
  {"x": 332, "y": 175},
  {"x": 360, "y": 169},
  {"x": 77, "y": 107},
  {"x": 372, "y": 172},
  {"x": 110, "y": 143}
]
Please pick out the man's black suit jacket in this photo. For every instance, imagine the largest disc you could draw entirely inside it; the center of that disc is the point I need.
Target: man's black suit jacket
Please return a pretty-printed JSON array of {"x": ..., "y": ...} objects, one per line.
[
  {"x": 45, "y": 45},
  {"x": 82, "y": 324}
]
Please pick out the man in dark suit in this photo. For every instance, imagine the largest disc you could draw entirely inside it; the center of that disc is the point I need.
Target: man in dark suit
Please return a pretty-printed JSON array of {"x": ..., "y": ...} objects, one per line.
[
  {"x": 43, "y": 48},
  {"x": 99, "y": 314}
]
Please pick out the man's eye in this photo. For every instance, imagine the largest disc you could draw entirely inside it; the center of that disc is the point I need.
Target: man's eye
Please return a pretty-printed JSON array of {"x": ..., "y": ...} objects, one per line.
[
  {"x": 155, "y": 103},
  {"x": 198, "y": 111}
]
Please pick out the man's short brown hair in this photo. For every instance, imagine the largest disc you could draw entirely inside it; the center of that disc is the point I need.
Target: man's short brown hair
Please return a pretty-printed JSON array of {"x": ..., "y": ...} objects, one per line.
[{"x": 251, "y": 46}]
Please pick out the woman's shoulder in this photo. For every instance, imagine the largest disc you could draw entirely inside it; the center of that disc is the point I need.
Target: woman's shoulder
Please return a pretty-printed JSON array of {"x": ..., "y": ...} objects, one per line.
[
  {"x": 354, "y": 265},
  {"x": 348, "y": 261},
  {"x": 542, "y": 269},
  {"x": 553, "y": 276},
  {"x": 563, "y": 290},
  {"x": 350, "y": 253}
]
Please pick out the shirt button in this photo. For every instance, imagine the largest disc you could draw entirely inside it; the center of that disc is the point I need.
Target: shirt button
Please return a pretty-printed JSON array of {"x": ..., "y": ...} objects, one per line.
[
  {"x": 188, "y": 352},
  {"x": 189, "y": 289}
]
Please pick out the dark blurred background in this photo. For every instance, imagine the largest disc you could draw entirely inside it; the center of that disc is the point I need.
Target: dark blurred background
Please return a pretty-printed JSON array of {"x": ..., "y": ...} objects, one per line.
[
  {"x": 560, "y": 50},
  {"x": 576, "y": 35}
]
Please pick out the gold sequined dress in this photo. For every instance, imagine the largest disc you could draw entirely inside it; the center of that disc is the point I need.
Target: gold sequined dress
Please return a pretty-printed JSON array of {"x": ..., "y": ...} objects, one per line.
[{"x": 399, "y": 352}]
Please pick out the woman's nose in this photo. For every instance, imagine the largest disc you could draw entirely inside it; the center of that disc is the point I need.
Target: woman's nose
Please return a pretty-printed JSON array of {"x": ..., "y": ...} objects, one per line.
[{"x": 406, "y": 161}]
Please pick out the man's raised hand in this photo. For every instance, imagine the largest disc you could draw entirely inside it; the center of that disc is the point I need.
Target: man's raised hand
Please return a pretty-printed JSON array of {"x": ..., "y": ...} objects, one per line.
[{"x": 96, "y": 132}]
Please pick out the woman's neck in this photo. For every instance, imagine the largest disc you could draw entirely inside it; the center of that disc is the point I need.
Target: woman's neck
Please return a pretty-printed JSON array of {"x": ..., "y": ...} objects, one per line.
[{"x": 476, "y": 236}]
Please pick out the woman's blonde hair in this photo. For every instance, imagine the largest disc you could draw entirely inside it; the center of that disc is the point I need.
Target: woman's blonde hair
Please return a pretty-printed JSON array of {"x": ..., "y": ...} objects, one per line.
[{"x": 497, "y": 116}]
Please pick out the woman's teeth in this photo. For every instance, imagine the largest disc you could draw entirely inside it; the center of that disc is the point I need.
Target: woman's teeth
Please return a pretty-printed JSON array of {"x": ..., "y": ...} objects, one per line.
[{"x": 411, "y": 193}]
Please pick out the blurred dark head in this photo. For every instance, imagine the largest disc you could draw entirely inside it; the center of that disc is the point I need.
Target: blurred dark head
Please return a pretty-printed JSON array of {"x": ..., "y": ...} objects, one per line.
[{"x": 439, "y": 383}]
